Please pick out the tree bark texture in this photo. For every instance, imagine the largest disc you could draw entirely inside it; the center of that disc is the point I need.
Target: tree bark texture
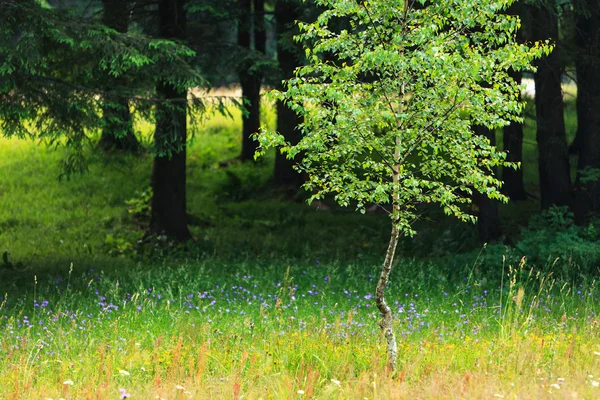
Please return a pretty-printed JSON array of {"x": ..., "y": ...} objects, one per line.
[
  {"x": 117, "y": 132},
  {"x": 168, "y": 215},
  {"x": 384, "y": 308},
  {"x": 514, "y": 186},
  {"x": 587, "y": 188},
  {"x": 286, "y": 13},
  {"x": 555, "y": 177},
  {"x": 251, "y": 21}
]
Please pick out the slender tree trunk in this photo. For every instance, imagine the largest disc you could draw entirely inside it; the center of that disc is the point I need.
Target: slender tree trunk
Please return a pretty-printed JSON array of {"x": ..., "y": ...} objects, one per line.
[
  {"x": 555, "y": 177},
  {"x": 117, "y": 133},
  {"x": 587, "y": 187},
  {"x": 287, "y": 120},
  {"x": 514, "y": 186},
  {"x": 250, "y": 80},
  {"x": 384, "y": 308},
  {"x": 168, "y": 215},
  {"x": 489, "y": 227}
]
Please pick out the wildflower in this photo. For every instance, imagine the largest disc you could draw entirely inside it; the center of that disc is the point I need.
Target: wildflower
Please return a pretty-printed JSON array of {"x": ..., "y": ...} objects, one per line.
[
  {"x": 335, "y": 381},
  {"x": 300, "y": 392},
  {"x": 124, "y": 394},
  {"x": 179, "y": 387},
  {"x": 595, "y": 383},
  {"x": 122, "y": 372},
  {"x": 555, "y": 385},
  {"x": 68, "y": 382}
]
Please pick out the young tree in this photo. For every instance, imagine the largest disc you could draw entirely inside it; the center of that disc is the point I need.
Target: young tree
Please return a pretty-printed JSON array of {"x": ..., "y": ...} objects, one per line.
[{"x": 391, "y": 119}]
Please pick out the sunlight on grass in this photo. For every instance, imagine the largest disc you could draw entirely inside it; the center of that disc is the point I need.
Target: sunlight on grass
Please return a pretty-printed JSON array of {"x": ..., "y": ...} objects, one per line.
[{"x": 192, "y": 332}]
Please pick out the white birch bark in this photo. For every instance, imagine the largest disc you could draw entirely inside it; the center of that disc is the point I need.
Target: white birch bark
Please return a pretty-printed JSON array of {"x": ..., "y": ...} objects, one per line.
[{"x": 384, "y": 308}]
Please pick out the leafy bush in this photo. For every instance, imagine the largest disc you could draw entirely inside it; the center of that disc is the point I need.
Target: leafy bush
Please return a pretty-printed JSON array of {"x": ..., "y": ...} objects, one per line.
[{"x": 552, "y": 238}]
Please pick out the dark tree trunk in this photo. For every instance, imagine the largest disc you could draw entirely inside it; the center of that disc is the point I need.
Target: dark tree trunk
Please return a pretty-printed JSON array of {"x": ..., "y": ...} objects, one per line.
[
  {"x": 250, "y": 119},
  {"x": 555, "y": 177},
  {"x": 587, "y": 189},
  {"x": 286, "y": 13},
  {"x": 575, "y": 145},
  {"x": 168, "y": 216},
  {"x": 260, "y": 32},
  {"x": 250, "y": 80},
  {"x": 583, "y": 68},
  {"x": 117, "y": 131},
  {"x": 514, "y": 187},
  {"x": 489, "y": 228}
]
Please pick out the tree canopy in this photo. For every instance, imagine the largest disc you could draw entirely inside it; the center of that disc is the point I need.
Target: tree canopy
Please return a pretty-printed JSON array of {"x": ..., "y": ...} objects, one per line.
[{"x": 400, "y": 97}]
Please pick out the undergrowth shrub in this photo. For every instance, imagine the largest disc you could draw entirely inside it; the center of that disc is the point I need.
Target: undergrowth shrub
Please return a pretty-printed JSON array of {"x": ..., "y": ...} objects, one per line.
[
  {"x": 553, "y": 238},
  {"x": 551, "y": 242}
]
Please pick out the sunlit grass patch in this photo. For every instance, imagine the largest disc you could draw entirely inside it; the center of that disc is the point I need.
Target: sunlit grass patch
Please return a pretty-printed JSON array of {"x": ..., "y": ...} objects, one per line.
[{"x": 197, "y": 331}]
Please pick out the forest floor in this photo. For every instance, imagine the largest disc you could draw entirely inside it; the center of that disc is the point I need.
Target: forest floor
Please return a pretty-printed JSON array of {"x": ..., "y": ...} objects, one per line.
[{"x": 273, "y": 299}]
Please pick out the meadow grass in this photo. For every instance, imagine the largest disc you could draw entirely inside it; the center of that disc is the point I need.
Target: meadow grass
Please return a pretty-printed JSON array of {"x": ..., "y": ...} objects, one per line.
[
  {"x": 207, "y": 329},
  {"x": 273, "y": 299}
]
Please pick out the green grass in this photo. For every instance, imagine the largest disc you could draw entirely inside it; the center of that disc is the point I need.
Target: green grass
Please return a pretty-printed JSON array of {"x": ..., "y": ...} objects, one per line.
[
  {"x": 270, "y": 330},
  {"x": 274, "y": 298}
]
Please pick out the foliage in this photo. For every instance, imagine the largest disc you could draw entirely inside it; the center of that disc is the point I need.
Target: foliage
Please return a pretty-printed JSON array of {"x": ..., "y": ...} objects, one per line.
[
  {"x": 389, "y": 102},
  {"x": 56, "y": 67},
  {"x": 139, "y": 205},
  {"x": 553, "y": 238}
]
